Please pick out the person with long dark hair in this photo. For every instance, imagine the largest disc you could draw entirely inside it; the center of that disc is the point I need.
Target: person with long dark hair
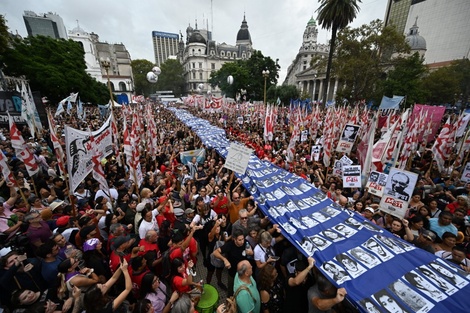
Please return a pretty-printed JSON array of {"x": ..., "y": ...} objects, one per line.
[
  {"x": 96, "y": 299},
  {"x": 156, "y": 292},
  {"x": 388, "y": 302},
  {"x": 271, "y": 290}
]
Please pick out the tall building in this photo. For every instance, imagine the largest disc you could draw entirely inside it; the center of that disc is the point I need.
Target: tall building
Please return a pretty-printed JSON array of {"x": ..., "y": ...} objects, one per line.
[
  {"x": 164, "y": 46},
  {"x": 48, "y": 24},
  {"x": 397, "y": 14},
  {"x": 444, "y": 25},
  {"x": 201, "y": 55},
  {"x": 307, "y": 78},
  {"x": 120, "y": 70}
]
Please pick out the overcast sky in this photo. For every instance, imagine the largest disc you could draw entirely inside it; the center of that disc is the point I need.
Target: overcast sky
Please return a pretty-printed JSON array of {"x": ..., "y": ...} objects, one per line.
[{"x": 276, "y": 26}]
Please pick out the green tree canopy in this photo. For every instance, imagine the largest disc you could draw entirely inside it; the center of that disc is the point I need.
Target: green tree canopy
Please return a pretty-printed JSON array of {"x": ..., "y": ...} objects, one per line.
[
  {"x": 54, "y": 67},
  {"x": 285, "y": 93},
  {"x": 440, "y": 86},
  {"x": 172, "y": 77},
  {"x": 247, "y": 76},
  {"x": 140, "y": 68}
]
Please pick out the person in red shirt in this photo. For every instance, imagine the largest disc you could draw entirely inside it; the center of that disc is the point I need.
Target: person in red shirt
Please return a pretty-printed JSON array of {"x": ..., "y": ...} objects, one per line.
[
  {"x": 120, "y": 246},
  {"x": 181, "y": 281},
  {"x": 149, "y": 249},
  {"x": 220, "y": 203},
  {"x": 137, "y": 271}
]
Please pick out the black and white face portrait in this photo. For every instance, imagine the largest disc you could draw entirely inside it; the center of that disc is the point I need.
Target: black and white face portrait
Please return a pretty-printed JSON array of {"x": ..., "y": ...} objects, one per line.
[
  {"x": 345, "y": 230},
  {"x": 388, "y": 303},
  {"x": 275, "y": 179},
  {"x": 281, "y": 209},
  {"x": 319, "y": 217},
  {"x": 304, "y": 187},
  {"x": 424, "y": 286},
  {"x": 453, "y": 278},
  {"x": 373, "y": 246},
  {"x": 370, "y": 306},
  {"x": 287, "y": 190},
  {"x": 374, "y": 177},
  {"x": 261, "y": 199},
  {"x": 288, "y": 228},
  {"x": 389, "y": 243},
  {"x": 308, "y": 222},
  {"x": 279, "y": 194},
  {"x": 331, "y": 235},
  {"x": 351, "y": 266},
  {"x": 349, "y": 133},
  {"x": 319, "y": 196},
  {"x": 353, "y": 223},
  {"x": 268, "y": 182},
  {"x": 292, "y": 179},
  {"x": 414, "y": 300},
  {"x": 400, "y": 184},
  {"x": 335, "y": 272},
  {"x": 310, "y": 201},
  {"x": 319, "y": 242},
  {"x": 438, "y": 280},
  {"x": 302, "y": 205},
  {"x": 270, "y": 197},
  {"x": 273, "y": 212},
  {"x": 366, "y": 258},
  {"x": 296, "y": 191},
  {"x": 371, "y": 227},
  {"x": 253, "y": 189},
  {"x": 307, "y": 246},
  {"x": 291, "y": 206},
  {"x": 246, "y": 180},
  {"x": 330, "y": 211},
  {"x": 297, "y": 224}
]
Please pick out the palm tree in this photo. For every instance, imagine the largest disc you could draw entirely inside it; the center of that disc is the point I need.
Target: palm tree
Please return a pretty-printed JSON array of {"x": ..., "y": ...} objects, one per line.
[{"x": 335, "y": 15}]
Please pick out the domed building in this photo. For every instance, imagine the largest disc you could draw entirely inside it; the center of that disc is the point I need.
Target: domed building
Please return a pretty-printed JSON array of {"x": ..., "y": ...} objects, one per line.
[
  {"x": 416, "y": 42},
  {"x": 201, "y": 55}
]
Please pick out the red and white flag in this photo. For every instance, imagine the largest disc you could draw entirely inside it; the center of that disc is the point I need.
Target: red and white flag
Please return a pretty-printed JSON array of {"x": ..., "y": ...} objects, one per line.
[
  {"x": 443, "y": 145},
  {"x": 98, "y": 172},
  {"x": 6, "y": 172},
  {"x": 59, "y": 152},
  {"x": 22, "y": 150}
]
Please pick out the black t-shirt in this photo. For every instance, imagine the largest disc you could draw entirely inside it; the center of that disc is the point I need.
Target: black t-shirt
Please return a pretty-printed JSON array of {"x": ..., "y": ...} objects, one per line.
[
  {"x": 296, "y": 297},
  {"x": 234, "y": 255}
]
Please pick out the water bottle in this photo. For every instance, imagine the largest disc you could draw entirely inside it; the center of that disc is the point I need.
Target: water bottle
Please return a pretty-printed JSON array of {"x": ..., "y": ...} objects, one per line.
[{"x": 247, "y": 245}]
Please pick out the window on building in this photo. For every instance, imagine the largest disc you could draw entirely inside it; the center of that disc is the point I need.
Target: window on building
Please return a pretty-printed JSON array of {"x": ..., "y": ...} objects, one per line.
[
  {"x": 200, "y": 76},
  {"x": 200, "y": 64},
  {"x": 122, "y": 86},
  {"x": 234, "y": 55},
  {"x": 229, "y": 55},
  {"x": 194, "y": 64},
  {"x": 112, "y": 86},
  {"x": 222, "y": 53},
  {"x": 194, "y": 75},
  {"x": 212, "y": 66}
]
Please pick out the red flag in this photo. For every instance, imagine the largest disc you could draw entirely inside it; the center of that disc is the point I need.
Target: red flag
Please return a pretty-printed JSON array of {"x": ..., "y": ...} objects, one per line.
[
  {"x": 6, "y": 169},
  {"x": 22, "y": 150},
  {"x": 443, "y": 145}
]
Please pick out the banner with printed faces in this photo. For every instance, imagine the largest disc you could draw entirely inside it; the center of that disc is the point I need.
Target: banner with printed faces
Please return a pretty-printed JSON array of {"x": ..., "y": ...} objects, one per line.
[
  {"x": 315, "y": 155},
  {"x": 352, "y": 176},
  {"x": 348, "y": 137},
  {"x": 376, "y": 183},
  {"x": 466, "y": 173},
  {"x": 381, "y": 272},
  {"x": 398, "y": 192}
]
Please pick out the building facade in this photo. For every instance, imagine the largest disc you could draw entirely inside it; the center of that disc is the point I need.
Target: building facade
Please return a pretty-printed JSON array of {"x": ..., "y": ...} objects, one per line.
[
  {"x": 120, "y": 70},
  {"x": 164, "y": 46},
  {"x": 48, "y": 24},
  {"x": 200, "y": 56},
  {"x": 309, "y": 79},
  {"x": 444, "y": 25},
  {"x": 397, "y": 14}
]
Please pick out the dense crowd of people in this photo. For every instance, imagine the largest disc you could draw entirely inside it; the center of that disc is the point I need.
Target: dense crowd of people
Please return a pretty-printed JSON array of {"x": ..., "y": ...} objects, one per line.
[{"x": 135, "y": 248}]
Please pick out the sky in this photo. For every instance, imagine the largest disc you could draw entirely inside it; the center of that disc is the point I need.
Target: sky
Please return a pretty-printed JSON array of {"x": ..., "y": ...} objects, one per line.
[{"x": 276, "y": 26}]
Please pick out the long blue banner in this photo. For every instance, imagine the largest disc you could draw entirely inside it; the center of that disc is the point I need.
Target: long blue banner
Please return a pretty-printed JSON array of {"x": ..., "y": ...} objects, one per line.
[{"x": 380, "y": 272}]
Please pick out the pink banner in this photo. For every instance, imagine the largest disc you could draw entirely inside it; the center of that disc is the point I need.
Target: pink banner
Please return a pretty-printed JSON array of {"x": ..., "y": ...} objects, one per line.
[{"x": 435, "y": 113}]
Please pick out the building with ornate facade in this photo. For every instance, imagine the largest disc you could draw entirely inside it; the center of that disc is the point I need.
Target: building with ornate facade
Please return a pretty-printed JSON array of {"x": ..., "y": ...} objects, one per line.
[
  {"x": 200, "y": 55},
  {"x": 120, "y": 70},
  {"x": 309, "y": 79},
  {"x": 47, "y": 24}
]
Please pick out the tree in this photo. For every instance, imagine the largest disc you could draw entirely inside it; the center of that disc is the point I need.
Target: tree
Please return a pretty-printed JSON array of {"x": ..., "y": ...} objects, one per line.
[
  {"x": 54, "y": 67},
  {"x": 441, "y": 86},
  {"x": 285, "y": 93},
  {"x": 461, "y": 69},
  {"x": 335, "y": 15},
  {"x": 172, "y": 77},
  {"x": 405, "y": 79},
  {"x": 3, "y": 35},
  {"x": 247, "y": 76},
  {"x": 140, "y": 68}
]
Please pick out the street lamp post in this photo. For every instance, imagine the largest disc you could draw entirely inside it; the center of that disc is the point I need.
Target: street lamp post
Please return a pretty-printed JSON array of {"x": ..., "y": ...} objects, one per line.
[
  {"x": 106, "y": 63},
  {"x": 266, "y": 75}
]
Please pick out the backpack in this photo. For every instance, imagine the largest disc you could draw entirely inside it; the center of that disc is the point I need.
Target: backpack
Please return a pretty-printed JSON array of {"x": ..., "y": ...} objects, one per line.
[
  {"x": 231, "y": 302},
  {"x": 166, "y": 262},
  {"x": 217, "y": 263}
]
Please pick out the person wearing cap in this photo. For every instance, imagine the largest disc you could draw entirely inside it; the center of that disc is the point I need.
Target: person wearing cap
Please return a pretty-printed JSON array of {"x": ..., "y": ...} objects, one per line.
[
  {"x": 189, "y": 216},
  {"x": 425, "y": 240},
  {"x": 368, "y": 214},
  {"x": 120, "y": 250}
]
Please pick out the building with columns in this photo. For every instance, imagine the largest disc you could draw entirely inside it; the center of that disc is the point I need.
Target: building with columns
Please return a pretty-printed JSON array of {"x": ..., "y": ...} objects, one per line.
[
  {"x": 120, "y": 70},
  {"x": 309, "y": 79},
  {"x": 200, "y": 55}
]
